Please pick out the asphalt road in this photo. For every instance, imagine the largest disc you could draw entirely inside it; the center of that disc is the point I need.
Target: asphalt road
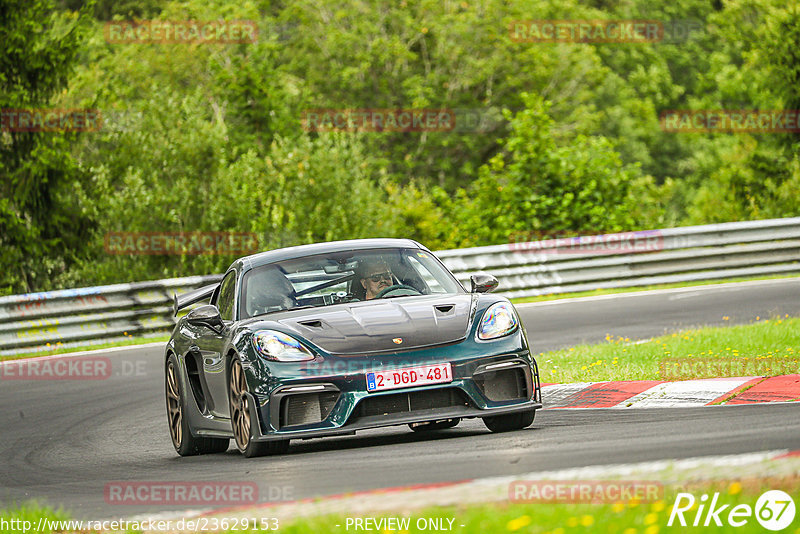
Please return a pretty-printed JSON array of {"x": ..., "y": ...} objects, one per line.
[{"x": 62, "y": 442}]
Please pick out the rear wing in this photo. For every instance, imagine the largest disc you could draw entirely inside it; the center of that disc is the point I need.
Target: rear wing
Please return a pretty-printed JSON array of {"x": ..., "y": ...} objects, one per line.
[{"x": 187, "y": 299}]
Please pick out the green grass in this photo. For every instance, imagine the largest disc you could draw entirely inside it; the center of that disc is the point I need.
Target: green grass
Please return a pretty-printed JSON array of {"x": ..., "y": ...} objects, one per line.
[
  {"x": 629, "y": 517},
  {"x": 11, "y": 519},
  {"x": 624, "y": 518},
  {"x": 57, "y": 349},
  {"x": 765, "y": 347},
  {"x": 614, "y": 291}
]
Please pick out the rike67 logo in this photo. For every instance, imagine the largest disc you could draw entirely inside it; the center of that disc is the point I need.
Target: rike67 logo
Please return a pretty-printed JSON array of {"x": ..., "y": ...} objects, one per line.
[{"x": 774, "y": 510}]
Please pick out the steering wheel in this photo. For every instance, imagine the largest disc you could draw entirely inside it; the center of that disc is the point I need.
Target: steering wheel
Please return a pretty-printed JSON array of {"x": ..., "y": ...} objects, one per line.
[{"x": 406, "y": 290}]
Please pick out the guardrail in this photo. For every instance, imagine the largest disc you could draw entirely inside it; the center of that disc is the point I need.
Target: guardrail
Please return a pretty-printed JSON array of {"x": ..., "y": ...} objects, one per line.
[
  {"x": 90, "y": 313},
  {"x": 685, "y": 254},
  {"x": 524, "y": 269}
]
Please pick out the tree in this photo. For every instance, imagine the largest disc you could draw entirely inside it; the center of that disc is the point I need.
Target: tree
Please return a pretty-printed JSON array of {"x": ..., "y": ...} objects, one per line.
[
  {"x": 580, "y": 187},
  {"x": 106, "y": 9},
  {"x": 38, "y": 224},
  {"x": 781, "y": 53}
]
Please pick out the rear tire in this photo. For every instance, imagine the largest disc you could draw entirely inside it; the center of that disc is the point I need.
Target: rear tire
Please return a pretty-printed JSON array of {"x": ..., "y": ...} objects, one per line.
[
  {"x": 184, "y": 442},
  {"x": 512, "y": 421},
  {"x": 240, "y": 418},
  {"x": 439, "y": 425}
]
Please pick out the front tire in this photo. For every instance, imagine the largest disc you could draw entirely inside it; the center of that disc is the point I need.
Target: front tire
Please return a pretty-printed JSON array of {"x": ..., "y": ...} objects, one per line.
[
  {"x": 512, "y": 421},
  {"x": 184, "y": 442},
  {"x": 241, "y": 421}
]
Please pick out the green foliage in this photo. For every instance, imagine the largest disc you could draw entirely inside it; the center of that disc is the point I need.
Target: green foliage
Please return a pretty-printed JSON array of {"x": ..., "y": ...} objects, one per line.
[
  {"x": 746, "y": 176},
  {"x": 208, "y": 137},
  {"x": 107, "y": 9},
  {"x": 580, "y": 187},
  {"x": 40, "y": 226},
  {"x": 782, "y": 53},
  {"x": 423, "y": 213},
  {"x": 299, "y": 191}
]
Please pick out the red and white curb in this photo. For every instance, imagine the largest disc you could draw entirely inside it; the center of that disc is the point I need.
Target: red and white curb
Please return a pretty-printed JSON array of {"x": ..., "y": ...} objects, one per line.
[{"x": 661, "y": 394}]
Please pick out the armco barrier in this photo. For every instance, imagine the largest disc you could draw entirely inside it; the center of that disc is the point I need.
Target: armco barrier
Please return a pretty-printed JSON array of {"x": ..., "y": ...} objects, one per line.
[
  {"x": 683, "y": 254},
  {"x": 91, "y": 313},
  {"x": 524, "y": 269}
]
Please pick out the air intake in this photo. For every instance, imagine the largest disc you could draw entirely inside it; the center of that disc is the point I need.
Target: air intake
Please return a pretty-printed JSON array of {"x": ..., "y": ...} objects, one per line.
[
  {"x": 307, "y": 408},
  {"x": 411, "y": 402},
  {"x": 504, "y": 385}
]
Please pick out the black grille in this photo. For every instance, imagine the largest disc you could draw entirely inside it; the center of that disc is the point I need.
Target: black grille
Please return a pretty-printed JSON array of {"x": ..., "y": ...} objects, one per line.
[
  {"x": 307, "y": 408},
  {"x": 508, "y": 384},
  {"x": 412, "y": 401}
]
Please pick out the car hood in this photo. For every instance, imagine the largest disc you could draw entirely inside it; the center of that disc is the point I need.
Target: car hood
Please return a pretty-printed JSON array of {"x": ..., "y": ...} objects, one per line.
[{"x": 396, "y": 324}]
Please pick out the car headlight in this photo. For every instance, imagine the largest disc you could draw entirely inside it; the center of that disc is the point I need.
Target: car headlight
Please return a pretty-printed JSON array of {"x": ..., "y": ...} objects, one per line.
[
  {"x": 274, "y": 345},
  {"x": 498, "y": 321}
]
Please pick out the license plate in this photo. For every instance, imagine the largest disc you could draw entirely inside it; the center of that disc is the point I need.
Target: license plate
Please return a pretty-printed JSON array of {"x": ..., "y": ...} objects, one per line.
[{"x": 409, "y": 377}]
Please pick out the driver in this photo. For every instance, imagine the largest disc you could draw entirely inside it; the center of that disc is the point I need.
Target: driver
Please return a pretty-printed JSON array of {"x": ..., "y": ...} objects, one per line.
[{"x": 375, "y": 277}]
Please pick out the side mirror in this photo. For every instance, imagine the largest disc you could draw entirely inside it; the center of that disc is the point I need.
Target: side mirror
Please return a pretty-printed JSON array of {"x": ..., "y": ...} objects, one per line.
[
  {"x": 207, "y": 316},
  {"x": 483, "y": 283}
]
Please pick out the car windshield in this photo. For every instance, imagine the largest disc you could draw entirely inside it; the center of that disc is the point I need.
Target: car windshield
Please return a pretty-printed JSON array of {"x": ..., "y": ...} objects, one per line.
[{"x": 338, "y": 277}]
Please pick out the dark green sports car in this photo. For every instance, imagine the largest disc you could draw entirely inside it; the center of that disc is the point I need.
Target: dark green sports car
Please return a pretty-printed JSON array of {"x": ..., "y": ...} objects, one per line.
[{"x": 331, "y": 338}]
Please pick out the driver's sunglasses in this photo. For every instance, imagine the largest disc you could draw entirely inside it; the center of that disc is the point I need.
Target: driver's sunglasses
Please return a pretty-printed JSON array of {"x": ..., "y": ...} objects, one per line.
[{"x": 381, "y": 276}]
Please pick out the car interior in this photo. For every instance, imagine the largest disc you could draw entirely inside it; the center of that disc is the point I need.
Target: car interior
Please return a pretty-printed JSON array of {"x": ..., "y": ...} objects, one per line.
[{"x": 273, "y": 289}]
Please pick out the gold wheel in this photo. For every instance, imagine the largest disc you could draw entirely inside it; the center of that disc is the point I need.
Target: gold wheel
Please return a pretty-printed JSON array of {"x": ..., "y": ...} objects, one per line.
[
  {"x": 240, "y": 406},
  {"x": 174, "y": 408}
]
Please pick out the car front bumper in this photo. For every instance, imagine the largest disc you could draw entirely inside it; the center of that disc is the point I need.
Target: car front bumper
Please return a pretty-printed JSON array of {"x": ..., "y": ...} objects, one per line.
[{"x": 329, "y": 396}]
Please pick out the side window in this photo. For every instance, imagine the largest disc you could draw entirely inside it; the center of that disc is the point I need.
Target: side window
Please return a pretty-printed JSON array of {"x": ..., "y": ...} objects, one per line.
[{"x": 225, "y": 299}]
